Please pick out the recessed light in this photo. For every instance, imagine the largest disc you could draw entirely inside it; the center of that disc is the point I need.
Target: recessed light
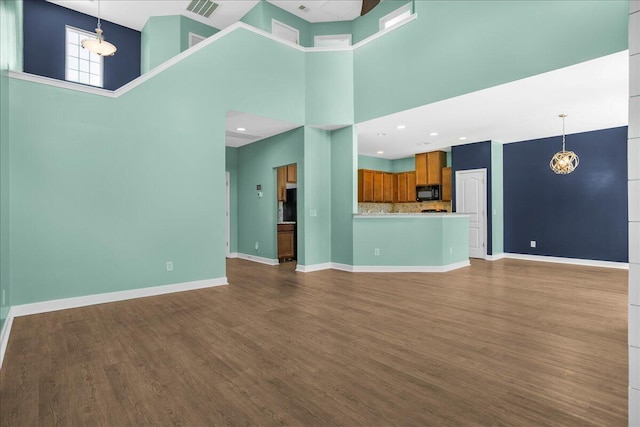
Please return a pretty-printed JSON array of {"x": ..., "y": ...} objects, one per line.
[
  {"x": 380, "y": 152},
  {"x": 401, "y": 127},
  {"x": 462, "y": 138},
  {"x": 381, "y": 134},
  {"x": 240, "y": 129},
  {"x": 433, "y": 134}
]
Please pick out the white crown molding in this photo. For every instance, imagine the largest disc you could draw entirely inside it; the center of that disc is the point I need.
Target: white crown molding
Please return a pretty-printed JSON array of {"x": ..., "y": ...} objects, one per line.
[
  {"x": 167, "y": 64},
  {"x": 87, "y": 300},
  {"x": 574, "y": 261},
  {"x": 261, "y": 260},
  {"x": 314, "y": 267}
]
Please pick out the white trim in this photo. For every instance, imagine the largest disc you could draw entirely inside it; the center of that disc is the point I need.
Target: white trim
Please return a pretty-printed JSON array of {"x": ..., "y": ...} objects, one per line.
[
  {"x": 338, "y": 37},
  {"x": 227, "y": 179},
  {"x": 261, "y": 260},
  {"x": 574, "y": 261},
  {"x": 276, "y": 23},
  {"x": 495, "y": 257},
  {"x": 167, "y": 64},
  {"x": 485, "y": 206},
  {"x": 232, "y": 255},
  {"x": 342, "y": 267},
  {"x": 87, "y": 300},
  {"x": 4, "y": 335},
  {"x": 313, "y": 267},
  {"x": 409, "y": 268},
  {"x": 382, "y": 22},
  {"x": 194, "y": 36}
]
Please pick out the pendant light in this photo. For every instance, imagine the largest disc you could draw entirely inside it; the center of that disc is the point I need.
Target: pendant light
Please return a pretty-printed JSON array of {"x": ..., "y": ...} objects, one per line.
[
  {"x": 99, "y": 45},
  {"x": 564, "y": 162}
]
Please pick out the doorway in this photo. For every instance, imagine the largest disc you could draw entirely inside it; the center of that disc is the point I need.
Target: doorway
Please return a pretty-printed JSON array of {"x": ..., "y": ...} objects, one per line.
[
  {"x": 471, "y": 199},
  {"x": 227, "y": 211},
  {"x": 287, "y": 230}
]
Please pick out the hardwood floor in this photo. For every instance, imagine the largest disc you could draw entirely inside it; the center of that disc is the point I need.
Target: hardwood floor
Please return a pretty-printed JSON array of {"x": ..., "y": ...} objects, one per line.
[{"x": 500, "y": 343}]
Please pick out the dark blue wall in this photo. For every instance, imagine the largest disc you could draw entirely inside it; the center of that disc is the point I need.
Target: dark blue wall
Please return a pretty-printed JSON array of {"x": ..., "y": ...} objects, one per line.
[
  {"x": 579, "y": 215},
  {"x": 474, "y": 156},
  {"x": 44, "y": 43}
]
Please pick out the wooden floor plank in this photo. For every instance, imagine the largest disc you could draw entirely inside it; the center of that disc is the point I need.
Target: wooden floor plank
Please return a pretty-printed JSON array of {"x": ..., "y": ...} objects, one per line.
[{"x": 507, "y": 343}]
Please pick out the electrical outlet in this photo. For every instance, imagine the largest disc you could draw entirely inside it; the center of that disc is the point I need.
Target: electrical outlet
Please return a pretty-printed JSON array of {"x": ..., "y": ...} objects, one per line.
[
  {"x": 450, "y": 250},
  {"x": 257, "y": 246},
  {"x": 169, "y": 265},
  {"x": 376, "y": 251},
  {"x": 313, "y": 212},
  {"x": 533, "y": 243}
]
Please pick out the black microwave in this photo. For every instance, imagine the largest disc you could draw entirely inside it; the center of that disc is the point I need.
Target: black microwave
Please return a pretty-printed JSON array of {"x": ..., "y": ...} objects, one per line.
[{"x": 427, "y": 193}]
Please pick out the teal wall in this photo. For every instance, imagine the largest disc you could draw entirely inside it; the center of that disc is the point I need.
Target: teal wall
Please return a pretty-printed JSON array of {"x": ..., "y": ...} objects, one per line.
[
  {"x": 457, "y": 47},
  {"x": 257, "y": 217},
  {"x": 263, "y": 12},
  {"x": 412, "y": 241},
  {"x": 316, "y": 216},
  {"x": 231, "y": 166},
  {"x": 164, "y": 37},
  {"x": 407, "y": 164},
  {"x": 329, "y": 88},
  {"x": 369, "y": 24},
  {"x": 375, "y": 163},
  {"x": 188, "y": 25},
  {"x": 497, "y": 199},
  {"x": 10, "y": 59},
  {"x": 344, "y": 181},
  {"x": 105, "y": 191}
]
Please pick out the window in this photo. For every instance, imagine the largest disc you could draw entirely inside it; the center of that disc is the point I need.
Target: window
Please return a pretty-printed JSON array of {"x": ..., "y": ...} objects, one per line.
[
  {"x": 82, "y": 66},
  {"x": 395, "y": 17},
  {"x": 335, "y": 40},
  {"x": 194, "y": 39}
]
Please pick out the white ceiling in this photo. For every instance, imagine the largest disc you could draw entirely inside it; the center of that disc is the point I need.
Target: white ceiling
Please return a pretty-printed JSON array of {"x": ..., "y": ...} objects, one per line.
[
  {"x": 594, "y": 94},
  {"x": 256, "y": 128},
  {"x": 135, "y": 13}
]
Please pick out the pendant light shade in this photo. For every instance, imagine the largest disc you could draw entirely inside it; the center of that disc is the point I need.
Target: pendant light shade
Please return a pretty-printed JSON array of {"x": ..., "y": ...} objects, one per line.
[
  {"x": 564, "y": 162},
  {"x": 99, "y": 45}
]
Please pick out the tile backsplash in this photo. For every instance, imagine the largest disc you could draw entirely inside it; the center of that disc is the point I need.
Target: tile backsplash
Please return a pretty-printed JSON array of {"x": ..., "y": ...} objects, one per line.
[{"x": 402, "y": 207}]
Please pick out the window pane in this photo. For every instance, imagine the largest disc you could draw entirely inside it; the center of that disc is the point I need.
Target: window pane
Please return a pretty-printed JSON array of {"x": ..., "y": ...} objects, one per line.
[
  {"x": 84, "y": 78},
  {"x": 84, "y": 53},
  {"x": 72, "y": 49},
  {"x": 94, "y": 57},
  {"x": 94, "y": 80},
  {"x": 72, "y": 75},
  {"x": 72, "y": 37},
  {"x": 84, "y": 66},
  {"x": 95, "y": 68},
  {"x": 72, "y": 62}
]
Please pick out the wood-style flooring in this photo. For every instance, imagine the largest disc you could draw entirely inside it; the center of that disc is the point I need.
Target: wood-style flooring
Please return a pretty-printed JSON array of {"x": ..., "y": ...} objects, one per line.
[{"x": 509, "y": 342}]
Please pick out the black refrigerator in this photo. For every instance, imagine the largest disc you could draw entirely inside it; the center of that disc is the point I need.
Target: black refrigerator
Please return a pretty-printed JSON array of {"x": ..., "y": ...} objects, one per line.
[{"x": 290, "y": 205}]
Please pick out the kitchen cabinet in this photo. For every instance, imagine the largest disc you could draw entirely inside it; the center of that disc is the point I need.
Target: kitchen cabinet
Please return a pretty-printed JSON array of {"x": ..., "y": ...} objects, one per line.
[
  {"x": 447, "y": 184},
  {"x": 292, "y": 173},
  {"x": 429, "y": 167},
  {"x": 411, "y": 186},
  {"x": 387, "y": 187},
  {"x": 405, "y": 187},
  {"x": 402, "y": 187},
  {"x": 365, "y": 185},
  {"x": 281, "y": 192},
  {"x": 286, "y": 241},
  {"x": 378, "y": 186}
]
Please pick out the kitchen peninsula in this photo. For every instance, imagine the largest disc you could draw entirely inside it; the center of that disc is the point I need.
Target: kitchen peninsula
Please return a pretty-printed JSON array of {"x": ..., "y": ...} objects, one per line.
[{"x": 410, "y": 242}]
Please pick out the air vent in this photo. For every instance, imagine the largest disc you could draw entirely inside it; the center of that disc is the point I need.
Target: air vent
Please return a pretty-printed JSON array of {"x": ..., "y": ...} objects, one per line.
[
  {"x": 202, "y": 7},
  {"x": 303, "y": 8}
]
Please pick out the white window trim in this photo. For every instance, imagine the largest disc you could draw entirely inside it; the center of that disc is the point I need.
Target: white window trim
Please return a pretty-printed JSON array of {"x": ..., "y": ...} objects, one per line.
[
  {"x": 276, "y": 22},
  {"x": 316, "y": 39},
  {"x": 194, "y": 36},
  {"x": 406, "y": 9},
  {"x": 66, "y": 57}
]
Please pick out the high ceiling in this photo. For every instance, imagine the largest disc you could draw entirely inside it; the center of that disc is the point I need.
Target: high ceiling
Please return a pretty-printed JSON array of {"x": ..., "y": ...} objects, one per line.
[{"x": 134, "y": 13}]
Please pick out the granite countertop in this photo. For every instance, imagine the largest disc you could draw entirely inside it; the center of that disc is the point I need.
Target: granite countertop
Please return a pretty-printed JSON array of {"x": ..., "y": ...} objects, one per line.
[
  {"x": 287, "y": 222},
  {"x": 409, "y": 215}
]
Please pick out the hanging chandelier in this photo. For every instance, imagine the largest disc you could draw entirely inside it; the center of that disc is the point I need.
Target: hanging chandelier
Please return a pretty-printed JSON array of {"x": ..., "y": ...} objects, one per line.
[
  {"x": 99, "y": 45},
  {"x": 564, "y": 162}
]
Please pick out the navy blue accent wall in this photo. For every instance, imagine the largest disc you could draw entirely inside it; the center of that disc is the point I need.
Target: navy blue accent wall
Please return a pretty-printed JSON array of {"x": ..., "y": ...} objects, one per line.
[
  {"x": 474, "y": 156},
  {"x": 44, "y": 43},
  {"x": 580, "y": 215}
]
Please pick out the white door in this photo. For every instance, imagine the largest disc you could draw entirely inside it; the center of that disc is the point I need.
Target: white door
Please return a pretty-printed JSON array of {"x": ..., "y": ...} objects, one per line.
[
  {"x": 227, "y": 213},
  {"x": 471, "y": 199}
]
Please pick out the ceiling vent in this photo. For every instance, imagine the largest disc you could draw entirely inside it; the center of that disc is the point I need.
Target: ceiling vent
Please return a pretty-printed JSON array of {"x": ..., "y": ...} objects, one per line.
[
  {"x": 202, "y": 7},
  {"x": 303, "y": 8}
]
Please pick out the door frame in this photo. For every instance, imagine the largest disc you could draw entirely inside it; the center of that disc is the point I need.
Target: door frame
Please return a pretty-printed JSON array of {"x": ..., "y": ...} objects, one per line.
[
  {"x": 228, "y": 211},
  {"x": 484, "y": 217}
]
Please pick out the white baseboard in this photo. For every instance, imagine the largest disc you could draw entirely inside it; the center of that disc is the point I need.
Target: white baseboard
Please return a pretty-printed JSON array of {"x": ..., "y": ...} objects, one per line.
[
  {"x": 313, "y": 267},
  {"x": 342, "y": 267},
  {"x": 574, "y": 261},
  {"x": 261, "y": 260},
  {"x": 495, "y": 257},
  {"x": 232, "y": 255},
  {"x": 67, "y": 303},
  {"x": 408, "y": 268}
]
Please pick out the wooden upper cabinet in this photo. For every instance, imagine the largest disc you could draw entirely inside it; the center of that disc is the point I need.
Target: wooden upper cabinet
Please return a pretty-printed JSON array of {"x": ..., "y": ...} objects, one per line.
[
  {"x": 365, "y": 185},
  {"x": 436, "y": 160},
  {"x": 402, "y": 187},
  {"x": 282, "y": 184},
  {"x": 446, "y": 184},
  {"x": 388, "y": 187},
  {"x": 429, "y": 167},
  {"x": 421, "y": 169},
  {"x": 292, "y": 173},
  {"x": 411, "y": 187},
  {"x": 378, "y": 186}
]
